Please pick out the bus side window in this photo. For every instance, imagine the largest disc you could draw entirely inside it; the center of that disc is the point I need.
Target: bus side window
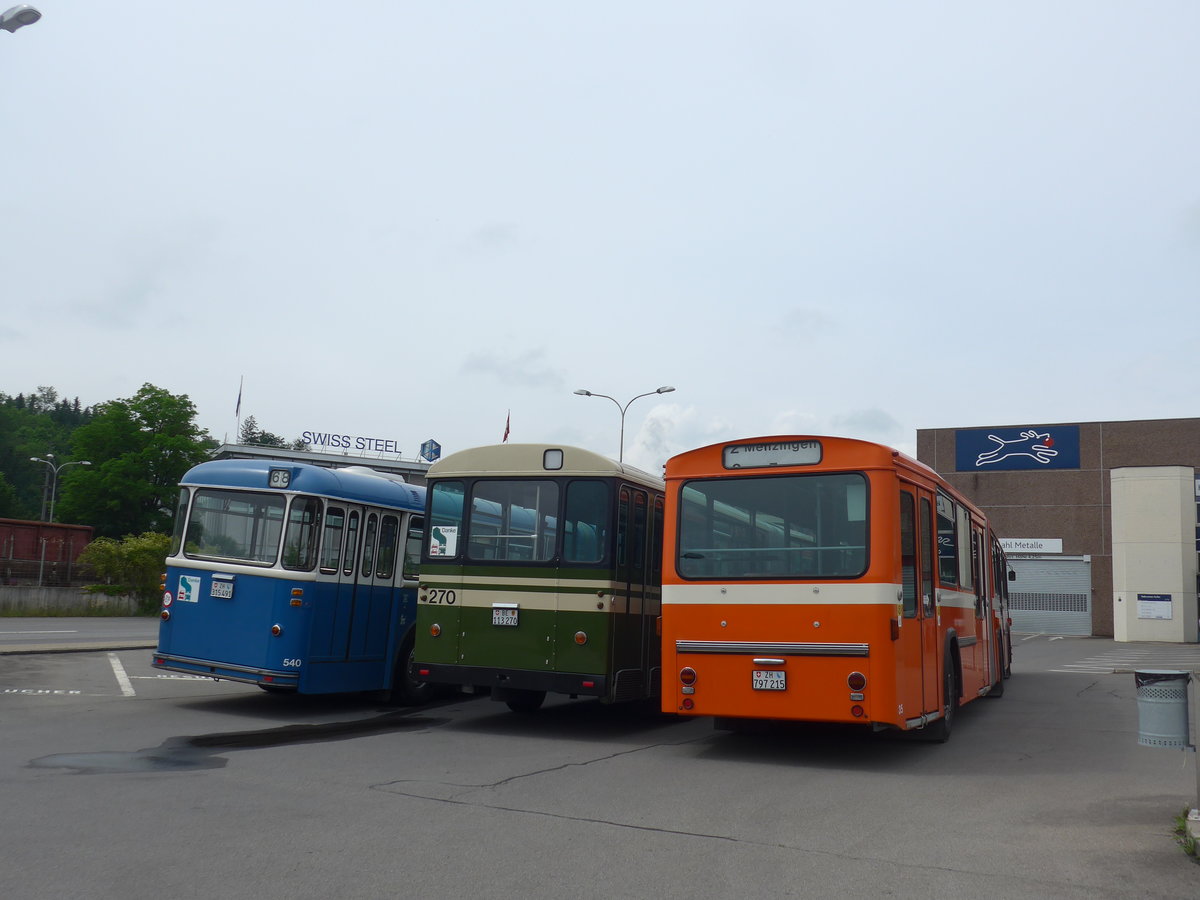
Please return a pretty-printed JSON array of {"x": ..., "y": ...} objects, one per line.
[
  {"x": 412, "y": 546},
  {"x": 389, "y": 531},
  {"x": 638, "y": 545},
  {"x": 368, "y": 548},
  {"x": 300, "y": 536},
  {"x": 966, "y": 567},
  {"x": 656, "y": 542},
  {"x": 947, "y": 543},
  {"x": 331, "y": 541},
  {"x": 351, "y": 544},
  {"x": 979, "y": 566},
  {"x": 926, "y": 557},
  {"x": 908, "y": 554},
  {"x": 585, "y": 531}
]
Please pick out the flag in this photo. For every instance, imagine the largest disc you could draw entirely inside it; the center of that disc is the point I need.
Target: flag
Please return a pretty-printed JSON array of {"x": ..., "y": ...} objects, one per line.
[
  {"x": 507, "y": 423},
  {"x": 238, "y": 411}
]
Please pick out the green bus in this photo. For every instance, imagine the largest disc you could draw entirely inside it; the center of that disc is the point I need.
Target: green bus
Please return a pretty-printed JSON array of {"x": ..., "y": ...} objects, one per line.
[{"x": 541, "y": 573}]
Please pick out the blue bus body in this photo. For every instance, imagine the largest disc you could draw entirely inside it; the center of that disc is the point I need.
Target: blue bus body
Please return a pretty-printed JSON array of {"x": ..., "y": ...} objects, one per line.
[{"x": 293, "y": 577}]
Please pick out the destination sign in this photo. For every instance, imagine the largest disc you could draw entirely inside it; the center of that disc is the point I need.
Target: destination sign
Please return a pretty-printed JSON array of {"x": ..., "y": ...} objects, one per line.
[{"x": 767, "y": 454}]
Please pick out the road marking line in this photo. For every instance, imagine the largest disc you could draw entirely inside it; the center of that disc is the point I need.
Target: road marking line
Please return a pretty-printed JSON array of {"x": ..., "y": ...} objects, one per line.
[
  {"x": 61, "y": 631},
  {"x": 122, "y": 678}
]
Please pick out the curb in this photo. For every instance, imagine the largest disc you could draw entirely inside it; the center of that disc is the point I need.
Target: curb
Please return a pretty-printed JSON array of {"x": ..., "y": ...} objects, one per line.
[{"x": 76, "y": 648}]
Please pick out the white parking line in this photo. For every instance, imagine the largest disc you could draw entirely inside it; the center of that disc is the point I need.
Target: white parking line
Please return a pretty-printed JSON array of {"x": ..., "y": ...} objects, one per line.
[{"x": 122, "y": 678}]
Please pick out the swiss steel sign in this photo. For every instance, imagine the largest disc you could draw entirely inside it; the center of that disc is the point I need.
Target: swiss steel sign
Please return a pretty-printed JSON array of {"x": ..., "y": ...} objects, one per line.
[{"x": 1032, "y": 447}]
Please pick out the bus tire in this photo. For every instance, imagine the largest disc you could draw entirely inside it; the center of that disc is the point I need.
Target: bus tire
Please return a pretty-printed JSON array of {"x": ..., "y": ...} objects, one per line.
[
  {"x": 940, "y": 730},
  {"x": 406, "y": 689},
  {"x": 525, "y": 701}
]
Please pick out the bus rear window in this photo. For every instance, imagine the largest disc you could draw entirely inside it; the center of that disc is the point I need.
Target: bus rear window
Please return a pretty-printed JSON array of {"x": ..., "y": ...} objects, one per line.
[
  {"x": 789, "y": 526},
  {"x": 235, "y": 525}
]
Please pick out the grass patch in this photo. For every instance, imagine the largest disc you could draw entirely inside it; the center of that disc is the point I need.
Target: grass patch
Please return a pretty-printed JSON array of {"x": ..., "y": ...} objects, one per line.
[{"x": 1183, "y": 836}]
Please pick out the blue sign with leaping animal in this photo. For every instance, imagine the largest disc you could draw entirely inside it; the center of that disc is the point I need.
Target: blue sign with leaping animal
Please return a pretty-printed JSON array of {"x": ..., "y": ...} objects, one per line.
[{"x": 1020, "y": 448}]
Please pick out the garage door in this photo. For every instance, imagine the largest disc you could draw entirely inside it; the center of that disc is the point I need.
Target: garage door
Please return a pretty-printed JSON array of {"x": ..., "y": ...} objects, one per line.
[{"x": 1051, "y": 595}]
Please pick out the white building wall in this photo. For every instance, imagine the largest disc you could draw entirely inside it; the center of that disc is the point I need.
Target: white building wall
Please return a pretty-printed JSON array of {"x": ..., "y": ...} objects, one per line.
[{"x": 1154, "y": 553}]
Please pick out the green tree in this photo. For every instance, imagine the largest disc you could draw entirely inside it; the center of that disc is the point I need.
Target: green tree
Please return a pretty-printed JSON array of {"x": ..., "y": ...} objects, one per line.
[
  {"x": 133, "y": 564},
  {"x": 139, "y": 449},
  {"x": 251, "y": 434}
]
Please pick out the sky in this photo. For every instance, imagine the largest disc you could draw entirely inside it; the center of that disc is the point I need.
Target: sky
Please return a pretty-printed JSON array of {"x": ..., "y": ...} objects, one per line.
[{"x": 413, "y": 221}]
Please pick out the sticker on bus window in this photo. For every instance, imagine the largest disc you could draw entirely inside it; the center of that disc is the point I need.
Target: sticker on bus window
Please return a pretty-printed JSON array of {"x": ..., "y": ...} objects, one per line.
[
  {"x": 443, "y": 540},
  {"x": 189, "y": 589},
  {"x": 765, "y": 455}
]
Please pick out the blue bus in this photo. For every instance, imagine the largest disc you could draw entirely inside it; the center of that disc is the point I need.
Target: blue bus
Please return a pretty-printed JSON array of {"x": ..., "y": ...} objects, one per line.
[{"x": 294, "y": 577}]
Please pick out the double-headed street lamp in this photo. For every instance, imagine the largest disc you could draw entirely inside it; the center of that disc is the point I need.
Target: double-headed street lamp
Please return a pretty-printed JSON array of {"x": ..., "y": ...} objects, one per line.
[
  {"x": 55, "y": 468},
  {"x": 665, "y": 389},
  {"x": 18, "y": 17}
]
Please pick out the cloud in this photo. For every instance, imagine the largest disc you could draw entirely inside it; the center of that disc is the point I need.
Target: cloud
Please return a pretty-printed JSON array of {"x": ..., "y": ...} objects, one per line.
[
  {"x": 490, "y": 238},
  {"x": 869, "y": 424},
  {"x": 526, "y": 368},
  {"x": 809, "y": 320}
]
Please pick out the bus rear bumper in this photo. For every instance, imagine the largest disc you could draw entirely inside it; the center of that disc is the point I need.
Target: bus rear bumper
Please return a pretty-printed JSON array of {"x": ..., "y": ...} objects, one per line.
[
  {"x": 226, "y": 671},
  {"x": 515, "y": 679}
]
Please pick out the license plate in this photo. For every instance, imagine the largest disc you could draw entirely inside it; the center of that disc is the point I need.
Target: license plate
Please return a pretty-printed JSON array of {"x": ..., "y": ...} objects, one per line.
[
  {"x": 222, "y": 589},
  {"x": 504, "y": 616},
  {"x": 768, "y": 680}
]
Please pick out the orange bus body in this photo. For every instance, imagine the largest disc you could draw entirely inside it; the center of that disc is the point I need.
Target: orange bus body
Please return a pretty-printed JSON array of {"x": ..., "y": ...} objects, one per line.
[{"x": 825, "y": 579}]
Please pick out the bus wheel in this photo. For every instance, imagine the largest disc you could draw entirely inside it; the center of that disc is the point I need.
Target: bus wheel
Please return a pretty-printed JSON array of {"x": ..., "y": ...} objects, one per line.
[
  {"x": 940, "y": 730},
  {"x": 525, "y": 701},
  {"x": 406, "y": 689}
]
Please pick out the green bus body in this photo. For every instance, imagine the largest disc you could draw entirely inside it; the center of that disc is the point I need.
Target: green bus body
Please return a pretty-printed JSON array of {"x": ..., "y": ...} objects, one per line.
[{"x": 561, "y": 595}]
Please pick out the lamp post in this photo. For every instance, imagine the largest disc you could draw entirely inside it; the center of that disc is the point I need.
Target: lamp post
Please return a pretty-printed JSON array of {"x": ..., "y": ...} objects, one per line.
[
  {"x": 18, "y": 17},
  {"x": 665, "y": 389},
  {"x": 54, "y": 470}
]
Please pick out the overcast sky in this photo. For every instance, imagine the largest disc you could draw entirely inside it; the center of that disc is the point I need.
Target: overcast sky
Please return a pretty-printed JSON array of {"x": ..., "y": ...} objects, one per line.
[{"x": 404, "y": 219}]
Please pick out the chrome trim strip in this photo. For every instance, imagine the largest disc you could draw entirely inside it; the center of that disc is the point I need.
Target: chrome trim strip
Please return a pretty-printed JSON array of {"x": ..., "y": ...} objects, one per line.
[
  {"x": 778, "y": 648},
  {"x": 282, "y": 678},
  {"x": 768, "y": 661},
  {"x": 968, "y": 641}
]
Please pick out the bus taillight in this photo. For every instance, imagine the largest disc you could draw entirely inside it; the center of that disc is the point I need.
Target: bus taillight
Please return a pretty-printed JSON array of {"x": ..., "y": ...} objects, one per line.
[
  {"x": 277, "y": 630},
  {"x": 435, "y": 629},
  {"x": 165, "y": 614},
  {"x": 857, "y": 681},
  {"x": 687, "y": 675},
  {"x": 688, "y": 703}
]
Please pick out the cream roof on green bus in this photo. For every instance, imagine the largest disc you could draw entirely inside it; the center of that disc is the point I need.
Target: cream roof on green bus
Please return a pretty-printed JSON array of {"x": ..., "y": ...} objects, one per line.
[{"x": 533, "y": 460}]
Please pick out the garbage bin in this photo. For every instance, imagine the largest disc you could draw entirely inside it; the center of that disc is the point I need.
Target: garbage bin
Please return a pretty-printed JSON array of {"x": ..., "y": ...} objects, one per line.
[{"x": 1162, "y": 698}]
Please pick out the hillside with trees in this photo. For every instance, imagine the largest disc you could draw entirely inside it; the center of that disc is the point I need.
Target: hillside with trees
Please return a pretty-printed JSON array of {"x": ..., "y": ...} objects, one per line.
[{"x": 138, "y": 449}]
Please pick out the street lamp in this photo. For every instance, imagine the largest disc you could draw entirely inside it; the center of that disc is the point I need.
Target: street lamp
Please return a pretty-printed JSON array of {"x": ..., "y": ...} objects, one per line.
[
  {"x": 19, "y": 17},
  {"x": 55, "y": 469},
  {"x": 665, "y": 389}
]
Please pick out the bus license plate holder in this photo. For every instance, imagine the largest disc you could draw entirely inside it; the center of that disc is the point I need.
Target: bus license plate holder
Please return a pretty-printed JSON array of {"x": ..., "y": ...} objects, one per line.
[
  {"x": 222, "y": 590},
  {"x": 506, "y": 616},
  {"x": 768, "y": 680}
]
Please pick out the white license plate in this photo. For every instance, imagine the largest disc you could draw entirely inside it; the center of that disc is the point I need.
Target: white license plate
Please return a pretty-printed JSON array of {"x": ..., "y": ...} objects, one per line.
[
  {"x": 504, "y": 617},
  {"x": 768, "y": 680},
  {"x": 222, "y": 589}
]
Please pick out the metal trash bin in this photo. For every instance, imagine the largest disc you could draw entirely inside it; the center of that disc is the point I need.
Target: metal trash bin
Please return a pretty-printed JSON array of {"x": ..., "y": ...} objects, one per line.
[{"x": 1162, "y": 697}]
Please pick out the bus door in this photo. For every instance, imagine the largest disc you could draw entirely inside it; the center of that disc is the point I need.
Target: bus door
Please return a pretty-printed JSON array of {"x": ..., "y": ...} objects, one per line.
[
  {"x": 918, "y": 666},
  {"x": 370, "y": 610},
  {"x": 630, "y": 649},
  {"x": 339, "y": 637}
]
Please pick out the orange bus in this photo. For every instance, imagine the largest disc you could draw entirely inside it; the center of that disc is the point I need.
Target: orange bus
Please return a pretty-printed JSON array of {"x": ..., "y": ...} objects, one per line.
[{"x": 826, "y": 579}]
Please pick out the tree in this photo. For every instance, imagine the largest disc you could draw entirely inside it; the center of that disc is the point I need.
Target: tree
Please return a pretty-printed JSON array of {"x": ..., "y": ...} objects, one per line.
[
  {"x": 251, "y": 434},
  {"x": 139, "y": 450},
  {"x": 133, "y": 564}
]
